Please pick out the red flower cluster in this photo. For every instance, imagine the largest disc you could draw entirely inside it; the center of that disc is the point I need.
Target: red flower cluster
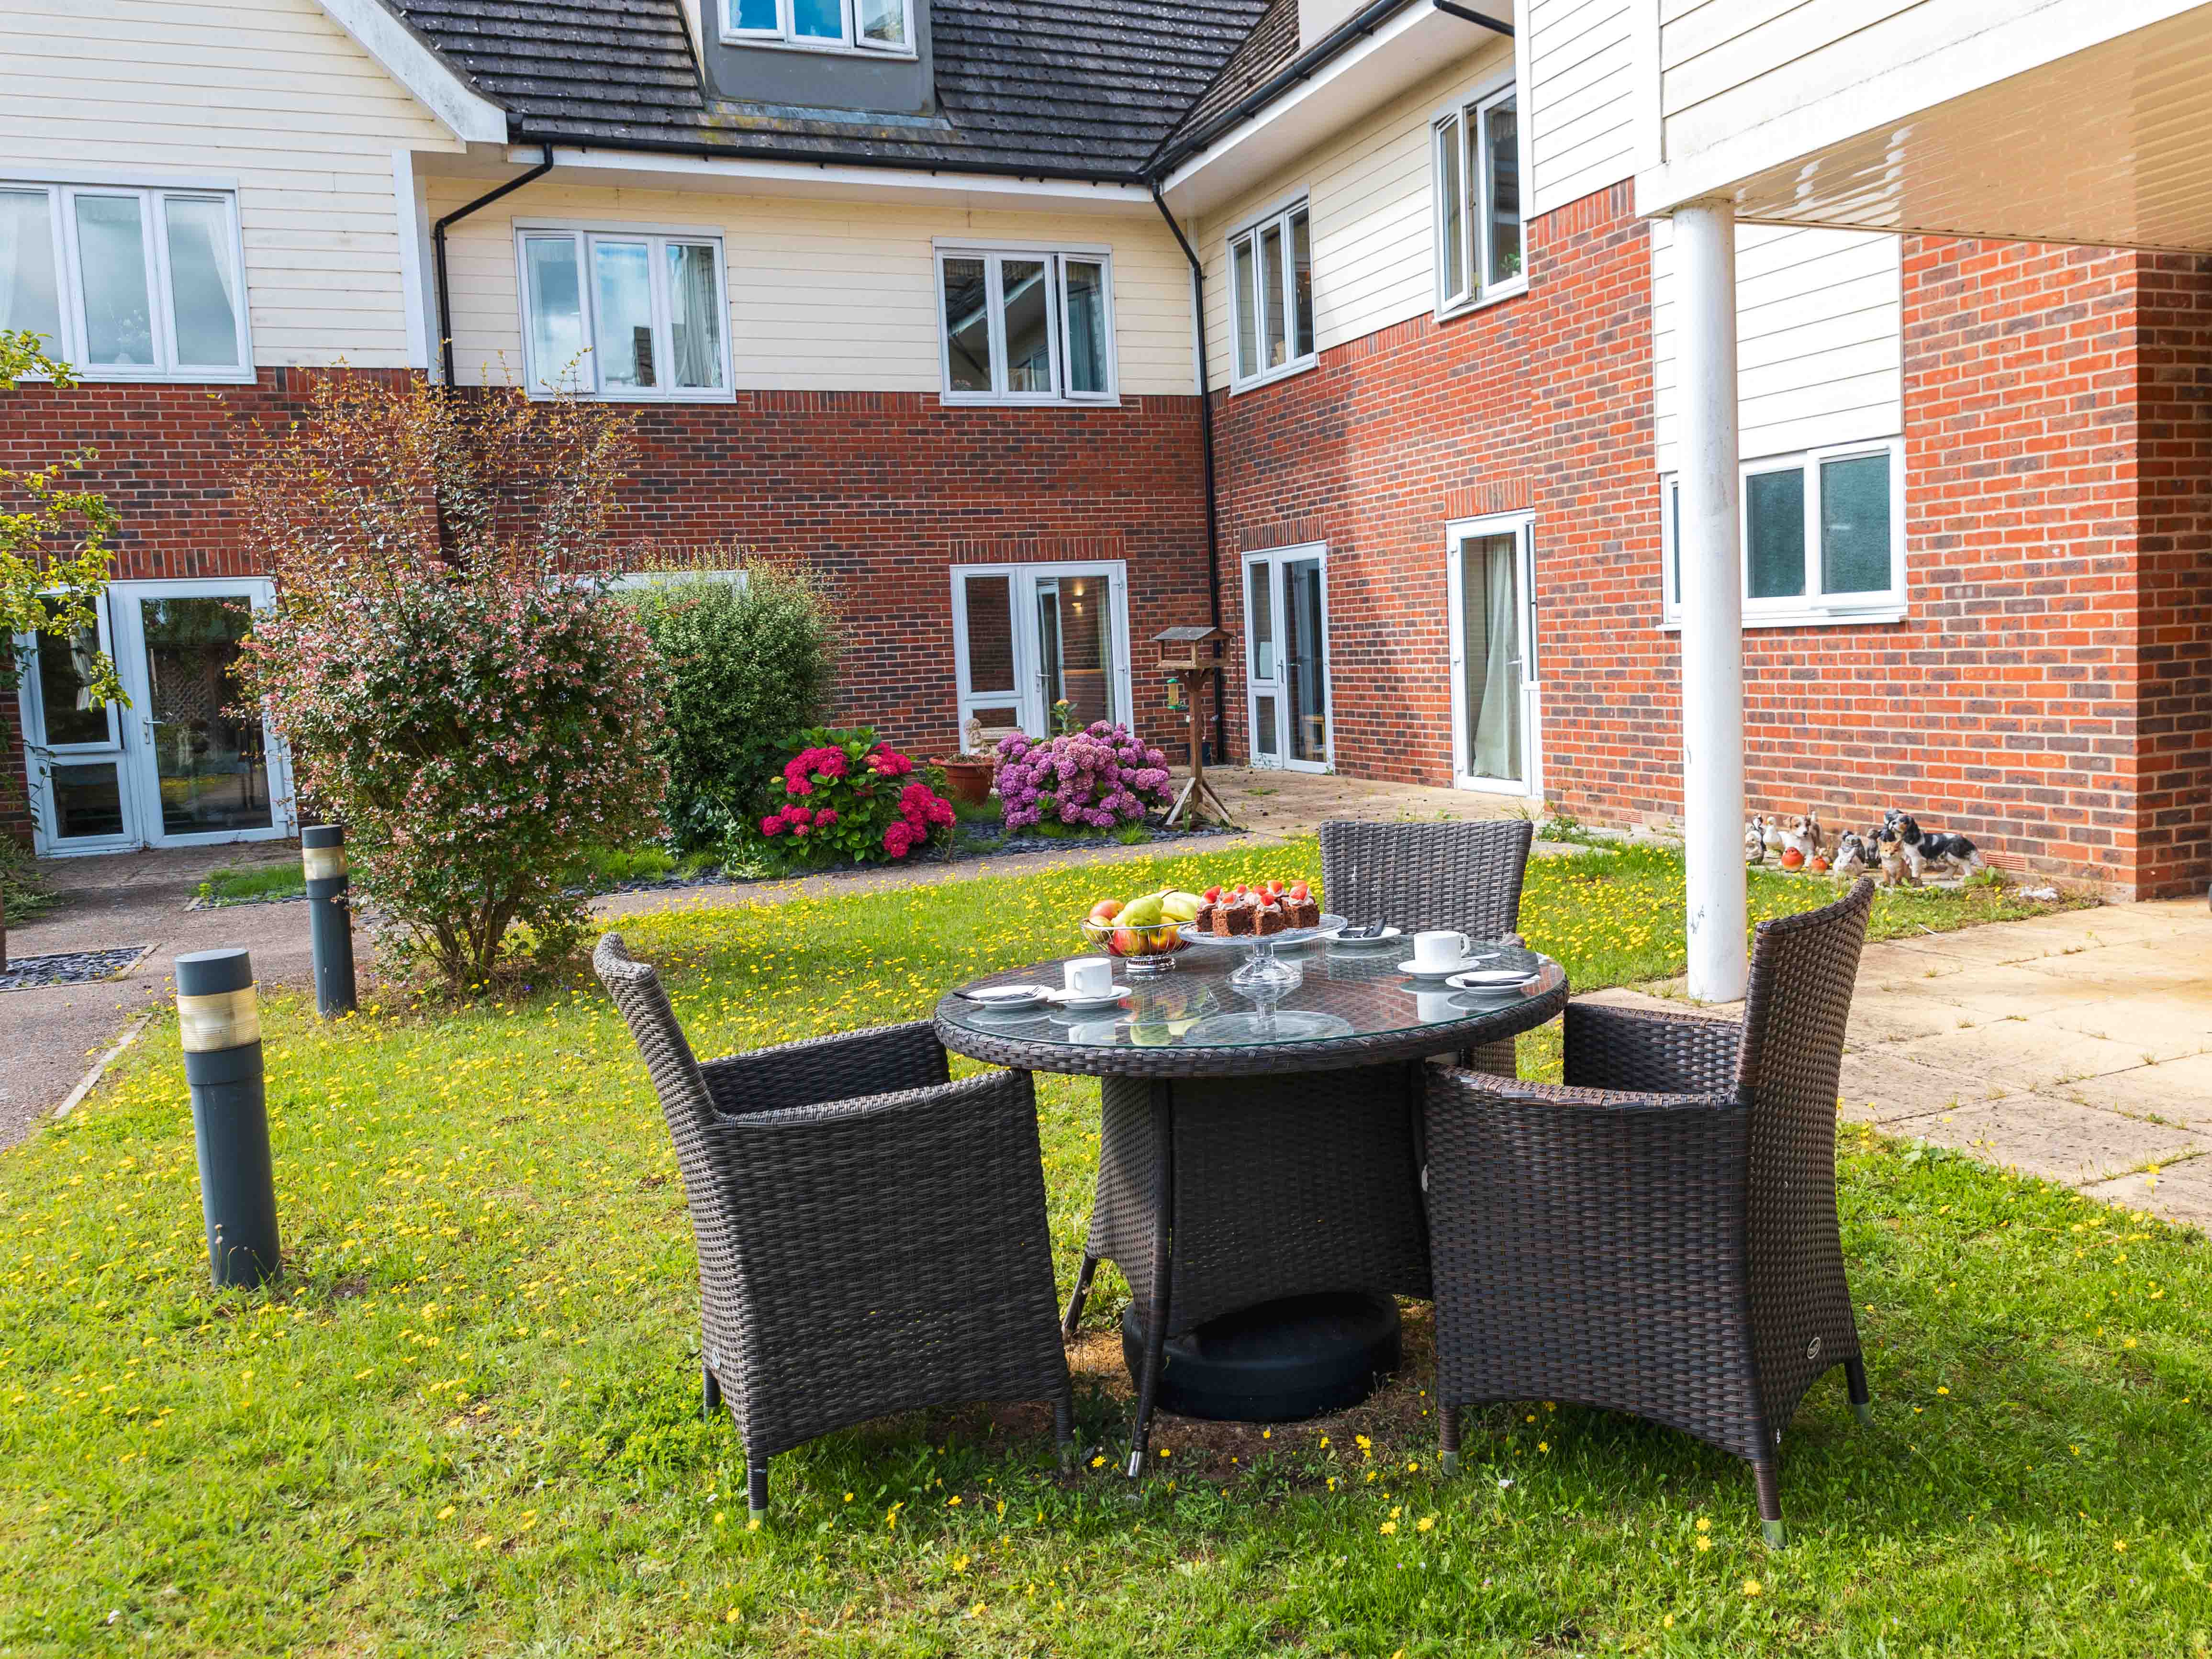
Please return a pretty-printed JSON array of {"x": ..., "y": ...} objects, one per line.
[
  {"x": 798, "y": 820},
  {"x": 807, "y": 768},
  {"x": 920, "y": 806}
]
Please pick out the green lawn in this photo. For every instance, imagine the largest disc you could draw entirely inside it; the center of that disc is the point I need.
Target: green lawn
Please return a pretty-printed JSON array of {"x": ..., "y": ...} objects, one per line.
[
  {"x": 467, "y": 1423},
  {"x": 248, "y": 883}
]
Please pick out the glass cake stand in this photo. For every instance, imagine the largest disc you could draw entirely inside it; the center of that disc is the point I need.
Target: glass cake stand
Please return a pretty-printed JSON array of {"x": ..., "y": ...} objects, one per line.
[{"x": 1261, "y": 969}]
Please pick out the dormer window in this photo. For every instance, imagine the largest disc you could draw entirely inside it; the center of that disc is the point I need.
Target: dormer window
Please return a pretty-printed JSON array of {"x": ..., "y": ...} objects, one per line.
[{"x": 885, "y": 25}]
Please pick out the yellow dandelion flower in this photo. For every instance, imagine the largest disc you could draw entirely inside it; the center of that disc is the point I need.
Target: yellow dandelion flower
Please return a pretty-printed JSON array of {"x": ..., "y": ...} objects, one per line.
[
  {"x": 1666, "y": 1623},
  {"x": 1427, "y": 1523},
  {"x": 1388, "y": 1528},
  {"x": 1098, "y": 1462},
  {"x": 447, "y": 1513},
  {"x": 1751, "y": 1587},
  {"x": 1704, "y": 1543},
  {"x": 1704, "y": 1523}
]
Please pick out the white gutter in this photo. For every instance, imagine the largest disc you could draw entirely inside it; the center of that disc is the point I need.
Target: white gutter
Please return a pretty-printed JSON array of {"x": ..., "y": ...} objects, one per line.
[
  {"x": 441, "y": 89},
  {"x": 814, "y": 175}
]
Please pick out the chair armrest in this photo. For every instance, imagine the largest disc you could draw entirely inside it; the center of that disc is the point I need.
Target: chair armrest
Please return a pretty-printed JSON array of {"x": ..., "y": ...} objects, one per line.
[
  {"x": 843, "y": 1066},
  {"x": 1484, "y": 1089},
  {"x": 1647, "y": 1051}
]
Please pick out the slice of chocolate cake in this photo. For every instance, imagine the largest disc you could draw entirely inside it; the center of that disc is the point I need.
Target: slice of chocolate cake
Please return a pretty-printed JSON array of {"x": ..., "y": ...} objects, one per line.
[
  {"x": 1233, "y": 920},
  {"x": 1303, "y": 913},
  {"x": 1269, "y": 919}
]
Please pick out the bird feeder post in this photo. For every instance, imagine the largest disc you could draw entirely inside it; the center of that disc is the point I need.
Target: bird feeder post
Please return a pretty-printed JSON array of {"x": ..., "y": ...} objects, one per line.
[{"x": 1191, "y": 673}]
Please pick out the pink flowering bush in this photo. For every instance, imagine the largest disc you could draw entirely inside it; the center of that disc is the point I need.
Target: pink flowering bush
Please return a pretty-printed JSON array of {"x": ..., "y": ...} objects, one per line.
[
  {"x": 478, "y": 718},
  {"x": 850, "y": 798},
  {"x": 1098, "y": 778}
]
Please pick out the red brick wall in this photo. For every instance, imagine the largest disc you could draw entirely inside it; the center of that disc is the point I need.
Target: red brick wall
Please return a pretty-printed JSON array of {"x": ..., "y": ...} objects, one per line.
[
  {"x": 2007, "y": 705},
  {"x": 881, "y": 492}
]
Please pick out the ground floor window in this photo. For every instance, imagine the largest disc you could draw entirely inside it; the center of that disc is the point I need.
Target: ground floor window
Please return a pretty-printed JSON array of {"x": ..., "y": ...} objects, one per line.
[
  {"x": 1286, "y": 658},
  {"x": 1041, "y": 646},
  {"x": 181, "y": 764},
  {"x": 1490, "y": 576},
  {"x": 1822, "y": 537}
]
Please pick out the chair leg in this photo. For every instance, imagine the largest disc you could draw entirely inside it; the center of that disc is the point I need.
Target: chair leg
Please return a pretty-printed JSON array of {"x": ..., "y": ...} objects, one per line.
[
  {"x": 1162, "y": 1262},
  {"x": 711, "y": 1392},
  {"x": 1770, "y": 1502},
  {"x": 1077, "y": 1297},
  {"x": 1063, "y": 1428},
  {"x": 1448, "y": 1441},
  {"x": 757, "y": 1491},
  {"x": 1855, "y": 1376}
]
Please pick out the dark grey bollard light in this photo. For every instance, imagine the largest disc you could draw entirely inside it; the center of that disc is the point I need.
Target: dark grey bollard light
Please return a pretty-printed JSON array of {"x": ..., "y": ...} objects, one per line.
[
  {"x": 330, "y": 916},
  {"x": 220, "y": 1022}
]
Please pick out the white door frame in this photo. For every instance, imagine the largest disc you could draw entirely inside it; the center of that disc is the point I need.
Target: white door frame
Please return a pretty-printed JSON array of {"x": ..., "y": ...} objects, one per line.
[
  {"x": 1028, "y": 696},
  {"x": 39, "y": 758},
  {"x": 138, "y": 777},
  {"x": 1279, "y": 686},
  {"x": 1522, "y": 526},
  {"x": 130, "y": 661}
]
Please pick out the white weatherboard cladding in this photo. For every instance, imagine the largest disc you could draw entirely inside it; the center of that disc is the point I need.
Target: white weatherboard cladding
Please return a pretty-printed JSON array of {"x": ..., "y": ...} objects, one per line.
[
  {"x": 270, "y": 96},
  {"x": 824, "y": 296},
  {"x": 1818, "y": 319},
  {"x": 1370, "y": 189},
  {"x": 1580, "y": 98}
]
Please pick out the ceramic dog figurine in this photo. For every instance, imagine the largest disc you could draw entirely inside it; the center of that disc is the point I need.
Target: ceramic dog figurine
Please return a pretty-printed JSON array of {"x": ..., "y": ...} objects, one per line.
[{"x": 1801, "y": 835}]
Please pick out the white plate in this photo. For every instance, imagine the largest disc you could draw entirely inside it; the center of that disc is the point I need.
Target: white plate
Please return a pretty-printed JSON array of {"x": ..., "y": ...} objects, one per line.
[
  {"x": 1451, "y": 968},
  {"x": 1489, "y": 978},
  {"x": 1008, "y": 996},
  {"x": 1385, "y": 937},
  {"x": 1075, "y": 1002}
]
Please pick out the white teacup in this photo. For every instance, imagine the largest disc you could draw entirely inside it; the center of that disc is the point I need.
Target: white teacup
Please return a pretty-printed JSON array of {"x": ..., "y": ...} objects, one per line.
[
  {"x": 1088, "y": 976},
  {"x": 1441, "y": 950}
]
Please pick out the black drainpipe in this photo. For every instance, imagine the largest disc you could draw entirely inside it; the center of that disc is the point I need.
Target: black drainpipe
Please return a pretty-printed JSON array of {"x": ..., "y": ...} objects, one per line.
[
  {"x": 438, "y": 252},
  {"x": 1206, "y": 445}
]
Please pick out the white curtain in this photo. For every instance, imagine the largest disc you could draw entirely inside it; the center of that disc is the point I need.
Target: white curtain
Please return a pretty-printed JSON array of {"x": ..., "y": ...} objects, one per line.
[
  {"x": 28, "y": 293},
  {"x": 696, "y": 309},
  {"x": 1490, "y": 585}
]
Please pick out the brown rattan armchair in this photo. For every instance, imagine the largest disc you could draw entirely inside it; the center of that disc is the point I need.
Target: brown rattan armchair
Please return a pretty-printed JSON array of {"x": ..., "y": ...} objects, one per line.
[
  {"x": 1658, "y": 1236},
  {"x": 1418, "y": 877},
  {"x": 872, "y": 1235}
]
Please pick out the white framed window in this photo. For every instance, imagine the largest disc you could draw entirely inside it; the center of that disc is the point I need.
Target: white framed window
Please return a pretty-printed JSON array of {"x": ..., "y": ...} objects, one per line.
[
  {"x": 1271, "y": 319},
  {"x": 624, "y": 314},
  {"x": 1026, "y": 326},
  {"x": 125, "y": 284},
  {"x": 872, "y": 25},
  {"x": 1822, "y": 537},
  {"x": 1478, "y": 196}
]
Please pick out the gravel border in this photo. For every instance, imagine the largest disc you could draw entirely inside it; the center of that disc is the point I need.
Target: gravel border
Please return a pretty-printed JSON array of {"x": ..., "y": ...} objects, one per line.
[{"x": 70, "y": 967}]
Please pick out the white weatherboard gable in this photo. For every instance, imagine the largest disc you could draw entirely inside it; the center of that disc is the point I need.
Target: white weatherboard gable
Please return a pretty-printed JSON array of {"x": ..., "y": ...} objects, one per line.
[{"x": 442, "y": 91}]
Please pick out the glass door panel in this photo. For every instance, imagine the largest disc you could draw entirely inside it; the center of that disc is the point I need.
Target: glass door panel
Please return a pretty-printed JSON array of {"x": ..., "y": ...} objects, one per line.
[
  {"x": 1260, "y": 665},
  {"x": 1305, "y": 673},
  {"x": 209, "y": 755},
  {"x": 991, "y": 693},
  {"x": 75, "y": 747},
  {"x": 1492, "y": 666},
  {"x": 1075, "y": 646}
]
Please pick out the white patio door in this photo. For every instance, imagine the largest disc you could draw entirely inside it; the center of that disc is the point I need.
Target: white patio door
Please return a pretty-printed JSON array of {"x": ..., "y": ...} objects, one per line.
[
  {"x": 1030, "y": 637},
  {"x": 203, "y": 768},
  {"x": 1495, "y": 713},
  {"x": 79, "y": 770},
  {"x": 1286, "y": 659}
]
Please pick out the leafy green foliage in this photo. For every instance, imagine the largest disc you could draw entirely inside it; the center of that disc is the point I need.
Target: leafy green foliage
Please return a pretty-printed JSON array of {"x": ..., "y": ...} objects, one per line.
[
  {"x": 743, "y": 668},
  {"x": 54, "y": 555}
]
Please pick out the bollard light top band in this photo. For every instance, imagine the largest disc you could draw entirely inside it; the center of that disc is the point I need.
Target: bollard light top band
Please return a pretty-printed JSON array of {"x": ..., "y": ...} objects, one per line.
[
  {"x": 210, "y": 973},
  {"x": 322, "y": 835}
]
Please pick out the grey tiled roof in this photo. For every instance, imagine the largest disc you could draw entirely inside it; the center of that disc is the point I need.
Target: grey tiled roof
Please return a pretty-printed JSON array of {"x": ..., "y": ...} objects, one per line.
[
  {"x": 1081, "y": 89},
  {"x": 1270, "y": 45}
]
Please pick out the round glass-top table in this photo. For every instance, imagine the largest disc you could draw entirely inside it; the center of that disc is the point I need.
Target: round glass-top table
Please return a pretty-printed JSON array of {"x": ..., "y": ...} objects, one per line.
[{"x": 1260, "y": 1164}]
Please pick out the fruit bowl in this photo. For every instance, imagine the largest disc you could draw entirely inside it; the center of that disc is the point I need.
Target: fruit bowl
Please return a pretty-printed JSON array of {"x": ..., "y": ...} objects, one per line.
[{"x": 1147, "y": 950}]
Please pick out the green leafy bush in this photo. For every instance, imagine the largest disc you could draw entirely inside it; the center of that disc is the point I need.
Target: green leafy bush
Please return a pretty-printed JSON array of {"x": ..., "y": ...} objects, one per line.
[
  {"x": 743, "y": 669},
  {"x": 850, "y": 798}
]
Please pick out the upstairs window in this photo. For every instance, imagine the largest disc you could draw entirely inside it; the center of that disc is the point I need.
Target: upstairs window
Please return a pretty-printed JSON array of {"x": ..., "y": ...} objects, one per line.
[
  {"x": 126, "y": 284},
  {"x": 1270, "y": 297},
  {"x": 1025, "y": 325},
  {"x": 1478, "y": 152},
  {"x": 1823, "y": 538},
  {"x": 622, "y": 315},
  {"x": 884, "y": 26}
]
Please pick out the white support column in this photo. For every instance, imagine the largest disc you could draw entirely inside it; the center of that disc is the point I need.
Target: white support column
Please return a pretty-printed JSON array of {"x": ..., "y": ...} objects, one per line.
[{"x": 1712, "y": 601}]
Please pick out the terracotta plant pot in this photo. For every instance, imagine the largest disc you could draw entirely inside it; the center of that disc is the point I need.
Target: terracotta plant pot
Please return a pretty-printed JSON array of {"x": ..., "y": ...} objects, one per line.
[{"x": 968, "y": 778}]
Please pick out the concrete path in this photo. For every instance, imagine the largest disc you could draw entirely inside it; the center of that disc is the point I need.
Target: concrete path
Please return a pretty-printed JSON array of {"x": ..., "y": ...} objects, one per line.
[{"x": 2076, "y": 1047}]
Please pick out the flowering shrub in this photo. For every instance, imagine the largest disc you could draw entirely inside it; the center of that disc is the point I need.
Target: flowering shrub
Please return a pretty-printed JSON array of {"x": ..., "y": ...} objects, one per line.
[
  {"x": 849, "y": 797},
  {"x": 1094, "y": 779},
  {"x": 478, "y": 718}
]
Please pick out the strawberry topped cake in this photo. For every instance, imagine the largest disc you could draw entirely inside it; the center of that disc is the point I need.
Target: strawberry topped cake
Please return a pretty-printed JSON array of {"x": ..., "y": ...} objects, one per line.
[{"x": 1258, "y": 910}]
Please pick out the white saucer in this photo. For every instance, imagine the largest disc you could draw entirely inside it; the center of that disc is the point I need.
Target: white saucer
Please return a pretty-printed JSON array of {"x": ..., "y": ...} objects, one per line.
[
  {"x": 1385, "y": 937},
  {"x": 999, "y": 998},
  {"x": 1489, "y": 981},
  {"x": 1075, "y": 1002},
  {"x": 1451, "y": 968}
]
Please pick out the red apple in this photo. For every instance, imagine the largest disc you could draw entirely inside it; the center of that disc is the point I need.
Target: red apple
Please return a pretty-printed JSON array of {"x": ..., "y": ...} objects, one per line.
[
  {"x": 1125, "y": 942},
  {"x": 1105, "y": 909}
]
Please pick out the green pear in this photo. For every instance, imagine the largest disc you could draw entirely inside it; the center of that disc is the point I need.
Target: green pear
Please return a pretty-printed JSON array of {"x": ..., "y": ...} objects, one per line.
[{"x": 1144, "y": 912}]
